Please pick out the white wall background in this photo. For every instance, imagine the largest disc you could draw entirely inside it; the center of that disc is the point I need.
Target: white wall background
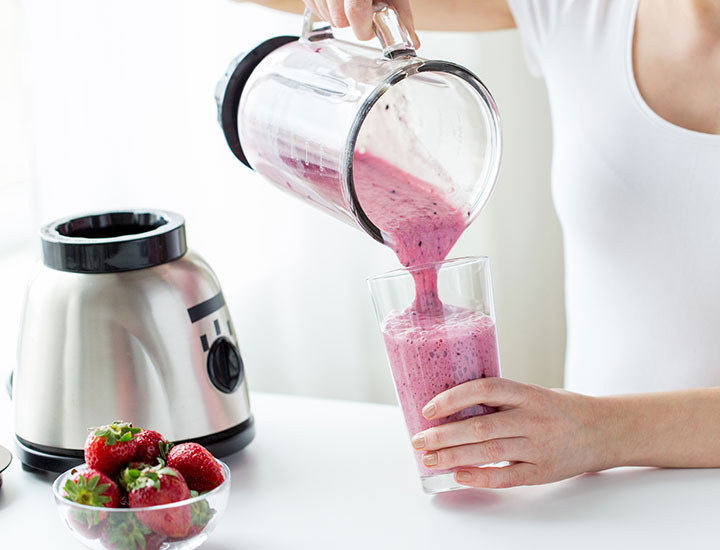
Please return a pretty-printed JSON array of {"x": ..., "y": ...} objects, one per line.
[{"x": 108, "y": 104}]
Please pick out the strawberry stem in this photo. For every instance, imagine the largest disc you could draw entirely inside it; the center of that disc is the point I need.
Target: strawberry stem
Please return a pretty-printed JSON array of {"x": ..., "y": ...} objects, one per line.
[
  {"x": 88, "y": 492},
  {"x": 117, "y": 432},
  {"x": 132, "y": 478}
]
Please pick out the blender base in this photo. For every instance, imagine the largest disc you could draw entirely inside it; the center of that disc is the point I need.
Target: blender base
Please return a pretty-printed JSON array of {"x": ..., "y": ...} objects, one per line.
[{"x": 42, "y": 458}]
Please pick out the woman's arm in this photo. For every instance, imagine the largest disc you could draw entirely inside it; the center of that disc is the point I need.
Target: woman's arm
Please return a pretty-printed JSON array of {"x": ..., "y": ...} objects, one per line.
[
  {"x": 435, "y": 15},
  {"x": 549, "y": 435},
  {"x": 675, "y": 429},
  {"x": 290, "y": 6}
]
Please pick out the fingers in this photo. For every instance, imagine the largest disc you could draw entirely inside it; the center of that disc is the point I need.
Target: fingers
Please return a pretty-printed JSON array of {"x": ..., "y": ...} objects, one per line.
[
  {"x": 405, "y": 15},
  {"x": 471, "y": 430},
  {"x": 521, "y": 473},
  {"x": 319, "y": 8},
  {"x": 487, "y": 452},
  {"x": 494, "y": 392},
  {"x": 359, "y": 15},
  {"x": 337, "y": 14}
]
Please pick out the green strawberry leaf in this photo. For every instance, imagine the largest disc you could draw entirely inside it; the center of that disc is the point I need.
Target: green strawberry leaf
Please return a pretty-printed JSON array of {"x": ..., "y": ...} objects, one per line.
[
  {"x": 89, "y": 518},
  {"x": 126, "y": 533},
  {"x": 133, "y": 479},
  {"x": 140, "y": 540},
  {"x": 118, "y": 431},
  {"x": 164, "y": 448},
  {"x": 87, "y": 492},
  {"x": 167, "y": 471},
  {"x": 201, "y": 514}
]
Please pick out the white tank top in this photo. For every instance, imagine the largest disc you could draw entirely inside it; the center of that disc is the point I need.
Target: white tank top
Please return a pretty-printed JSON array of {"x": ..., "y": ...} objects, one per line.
[{"x": 639, "y": 202}]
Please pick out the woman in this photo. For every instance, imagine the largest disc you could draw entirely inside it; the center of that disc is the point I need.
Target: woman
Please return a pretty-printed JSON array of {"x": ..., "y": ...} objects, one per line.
[{"x": 634, "y": 88}]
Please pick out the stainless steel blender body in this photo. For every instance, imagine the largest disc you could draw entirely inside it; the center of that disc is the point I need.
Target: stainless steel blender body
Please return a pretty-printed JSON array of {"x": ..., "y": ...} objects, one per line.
[{"x": 133, "y": 327}]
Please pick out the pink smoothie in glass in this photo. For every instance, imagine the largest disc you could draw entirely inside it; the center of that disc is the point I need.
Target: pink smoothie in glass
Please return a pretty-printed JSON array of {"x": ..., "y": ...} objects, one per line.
[{"x": 430, "y": 353}]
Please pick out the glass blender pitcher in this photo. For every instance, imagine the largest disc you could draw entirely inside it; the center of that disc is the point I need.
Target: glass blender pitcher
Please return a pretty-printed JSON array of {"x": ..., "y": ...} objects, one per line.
[{"x": 300, "y": 110}]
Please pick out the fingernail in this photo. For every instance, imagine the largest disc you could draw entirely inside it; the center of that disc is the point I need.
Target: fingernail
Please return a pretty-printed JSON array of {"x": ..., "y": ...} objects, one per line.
[
  {"x": 463, "y": 475},
  {"x": 430, "y": 459},
  {"x": 429, "y": 410},
  {"x": 418, "y": 441}
]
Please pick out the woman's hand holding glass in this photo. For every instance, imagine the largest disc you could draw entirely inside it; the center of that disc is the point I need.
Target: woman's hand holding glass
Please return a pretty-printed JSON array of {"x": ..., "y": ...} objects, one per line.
[{"x": 546, "y": 435}]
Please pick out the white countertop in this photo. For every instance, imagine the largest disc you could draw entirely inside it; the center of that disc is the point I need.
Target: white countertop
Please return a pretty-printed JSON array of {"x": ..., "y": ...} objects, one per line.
[{"x": 332, "y": 474}]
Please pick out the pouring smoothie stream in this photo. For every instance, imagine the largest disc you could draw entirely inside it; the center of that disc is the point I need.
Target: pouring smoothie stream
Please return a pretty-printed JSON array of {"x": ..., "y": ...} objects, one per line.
[{"x": 431, "y": 346}]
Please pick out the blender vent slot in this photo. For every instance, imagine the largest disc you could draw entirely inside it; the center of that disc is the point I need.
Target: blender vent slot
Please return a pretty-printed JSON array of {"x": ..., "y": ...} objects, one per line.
[{"x": 203, "y": 309}]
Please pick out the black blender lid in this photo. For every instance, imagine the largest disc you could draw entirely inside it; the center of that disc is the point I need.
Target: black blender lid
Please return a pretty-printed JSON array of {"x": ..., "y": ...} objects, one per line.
[{"x": 110, "y": 242}]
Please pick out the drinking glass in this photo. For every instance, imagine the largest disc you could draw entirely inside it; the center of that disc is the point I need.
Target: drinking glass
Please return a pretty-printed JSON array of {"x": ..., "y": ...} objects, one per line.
[{"x": 431, "y": 349}]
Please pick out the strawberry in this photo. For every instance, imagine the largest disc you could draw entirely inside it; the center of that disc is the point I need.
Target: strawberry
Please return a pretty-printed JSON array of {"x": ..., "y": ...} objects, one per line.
[
  {"x": 121, "y": 480},
  {"x": 154, "y": 541},
  {"x": 110, "y": 447},
  {"x": 201, "y": 514},
  {"x": 124, "y": 532},
  {"x": 153, "y": 487},
  {"x": 85, "y": 523},
  {"x": 148, "y": 446},
  {"x": 91, "y": 488},
  {"x": 199, "y": 468}
]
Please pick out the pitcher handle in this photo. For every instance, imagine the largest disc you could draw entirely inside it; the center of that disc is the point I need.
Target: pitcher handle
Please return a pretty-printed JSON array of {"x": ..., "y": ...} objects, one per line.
[
  {"x": 393, "y": 35},
  {"x": 309, "y": 32}
]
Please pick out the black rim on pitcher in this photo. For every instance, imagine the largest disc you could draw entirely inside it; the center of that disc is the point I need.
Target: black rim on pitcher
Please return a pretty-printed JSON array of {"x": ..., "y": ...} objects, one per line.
[{"x": 349, "y": 192}]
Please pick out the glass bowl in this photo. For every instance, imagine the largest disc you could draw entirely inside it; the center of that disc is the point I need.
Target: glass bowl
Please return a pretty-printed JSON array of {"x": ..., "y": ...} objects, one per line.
[{"x": 126, "y": 529}]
